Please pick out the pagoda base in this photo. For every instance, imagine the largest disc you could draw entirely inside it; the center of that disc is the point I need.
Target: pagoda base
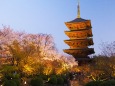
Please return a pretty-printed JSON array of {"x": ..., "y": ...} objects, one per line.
[{"x": 83, "y": 60}]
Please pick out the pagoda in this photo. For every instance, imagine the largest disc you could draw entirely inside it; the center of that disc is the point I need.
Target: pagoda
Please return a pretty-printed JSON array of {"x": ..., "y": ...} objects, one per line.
[{"x": 80, "y": 38}]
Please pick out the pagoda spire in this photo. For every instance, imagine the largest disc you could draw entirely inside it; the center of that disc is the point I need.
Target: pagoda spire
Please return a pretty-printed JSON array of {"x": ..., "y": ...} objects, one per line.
[{"x": 78, "y": 10}]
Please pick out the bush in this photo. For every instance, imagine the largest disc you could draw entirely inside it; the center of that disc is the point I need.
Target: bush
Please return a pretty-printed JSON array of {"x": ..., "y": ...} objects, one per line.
[
  {"x": 108, "y": 83},
  {"x": 17, "y": 81},
  {"x": 65, "y": 78},
  {"x": 44, "y": 77},
  {"x": 8, "y": 76},
  {"x": 16, "y": 76},
  {"x": 37, "y": 82},
  {"x": 60, "y": 81},
  {"x": 94, "y": 83},
  {"x": 9, "y": 83},
  {"x": 53, "y": 80},
  {"x": 71, "y": 76}
]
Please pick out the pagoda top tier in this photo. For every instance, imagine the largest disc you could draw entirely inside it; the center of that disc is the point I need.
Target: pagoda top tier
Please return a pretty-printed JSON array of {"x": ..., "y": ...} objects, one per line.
[{"x": 77, "y": 20}]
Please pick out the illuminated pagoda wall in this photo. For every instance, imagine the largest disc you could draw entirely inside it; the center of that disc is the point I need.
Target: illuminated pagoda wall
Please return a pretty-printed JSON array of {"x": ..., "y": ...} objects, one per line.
[{"x": 80, "y": 38}]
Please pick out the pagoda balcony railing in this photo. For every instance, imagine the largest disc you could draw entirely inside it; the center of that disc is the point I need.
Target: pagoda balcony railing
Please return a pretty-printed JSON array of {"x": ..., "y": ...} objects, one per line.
[
  {"x": 80, "y": 51},
  {"x": 79, "y": 28},
  {"x": 79, "y": 34},
  {"x": 76, "y": 43}
]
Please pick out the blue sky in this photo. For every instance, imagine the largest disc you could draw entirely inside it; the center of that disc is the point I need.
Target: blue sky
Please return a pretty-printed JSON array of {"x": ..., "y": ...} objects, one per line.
[{"x": 48, "y": 16}]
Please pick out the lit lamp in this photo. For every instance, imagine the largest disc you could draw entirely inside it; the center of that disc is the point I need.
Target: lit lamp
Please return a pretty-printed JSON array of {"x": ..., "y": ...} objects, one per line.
[{"x": 25, "y": 83}]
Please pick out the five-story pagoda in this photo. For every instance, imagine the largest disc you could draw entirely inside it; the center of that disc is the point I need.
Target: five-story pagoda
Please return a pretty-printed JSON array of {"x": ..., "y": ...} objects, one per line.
[{"x": 80, "y": 34}]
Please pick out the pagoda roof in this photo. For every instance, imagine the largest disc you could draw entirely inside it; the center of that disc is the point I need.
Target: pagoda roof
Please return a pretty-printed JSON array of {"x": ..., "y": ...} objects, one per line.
[
  {"x": 78, "y": 39},
  {"x": 87, "y": 51},
  {"x": 77, "y": 20},
  {"x": 78, "y": 30},
  {"x": 81, "y": 49}
]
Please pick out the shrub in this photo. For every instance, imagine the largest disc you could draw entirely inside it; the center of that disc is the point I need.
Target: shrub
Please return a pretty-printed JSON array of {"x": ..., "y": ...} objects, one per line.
[
  {"x": 60, "y": 81},
  {"x": 37, "y": 82},
  {"x": 16, "y": 76},
  {"x": 108, "y": 83},
  {"x": 71, "y": 76},
  {"x": 44, "y": 77},
  {"x": 9, "y": 83},
  {"x": 17, "y": 81},
  {"x": 53, "y": 80},
  {"x": 93, "y": 83},
  {"x": 8, "y": 76},
  {"x": 65, "y": 78}
]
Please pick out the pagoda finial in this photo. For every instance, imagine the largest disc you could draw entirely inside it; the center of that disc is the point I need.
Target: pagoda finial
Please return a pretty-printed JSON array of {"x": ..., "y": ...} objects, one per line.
[{"x": 78, "y": 10}]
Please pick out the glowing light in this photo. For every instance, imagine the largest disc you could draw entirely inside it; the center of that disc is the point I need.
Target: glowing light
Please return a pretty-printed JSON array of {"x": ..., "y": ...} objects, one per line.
[{"x": 25, "y": 82}]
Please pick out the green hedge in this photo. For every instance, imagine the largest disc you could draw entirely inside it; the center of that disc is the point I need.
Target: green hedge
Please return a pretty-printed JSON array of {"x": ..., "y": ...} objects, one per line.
[
  {"x": 108, "y": 83},
  {"x": 36, "y": 82},
  {"x": 13, "y": 82},
  {"x": 9, "y": 83},
  {"x": 60, "y": 81},
  {"x": 53, "y": 80},
  {"x": 94, "y": 83},
  {"x": 9, "y": 76},
  {"x": 44, "y": 77},
  {"x": 65, "y": 78},
  {"x": 17, "y": 81},
  {"x": 101, "y": 83}
]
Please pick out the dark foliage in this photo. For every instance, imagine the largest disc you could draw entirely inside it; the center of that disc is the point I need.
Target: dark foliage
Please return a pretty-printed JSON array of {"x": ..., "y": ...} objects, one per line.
[
  {"x": 44, "y": 77},
  {"x": 108, "y": 83},
  {"x": 60, "y": 81},
  {"x": 94, "y": 83},
  {"x": 10, "y": 83},
  {"x": 17, "y": 81},
  {"x": 36, "y": 82},
  {"x": 53, "y": 80}
]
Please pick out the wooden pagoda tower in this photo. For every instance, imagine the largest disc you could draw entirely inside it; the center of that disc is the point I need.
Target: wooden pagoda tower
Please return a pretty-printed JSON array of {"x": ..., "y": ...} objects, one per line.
[{"x": 80, "y": 34}]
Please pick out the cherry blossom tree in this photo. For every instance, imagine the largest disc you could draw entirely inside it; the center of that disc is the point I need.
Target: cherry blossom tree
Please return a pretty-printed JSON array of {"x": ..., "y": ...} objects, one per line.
[{"x": 33, "y": 53}]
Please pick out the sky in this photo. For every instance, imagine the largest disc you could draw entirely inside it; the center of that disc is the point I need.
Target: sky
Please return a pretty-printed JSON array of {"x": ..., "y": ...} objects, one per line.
[{"x": 48, "y": 17}]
